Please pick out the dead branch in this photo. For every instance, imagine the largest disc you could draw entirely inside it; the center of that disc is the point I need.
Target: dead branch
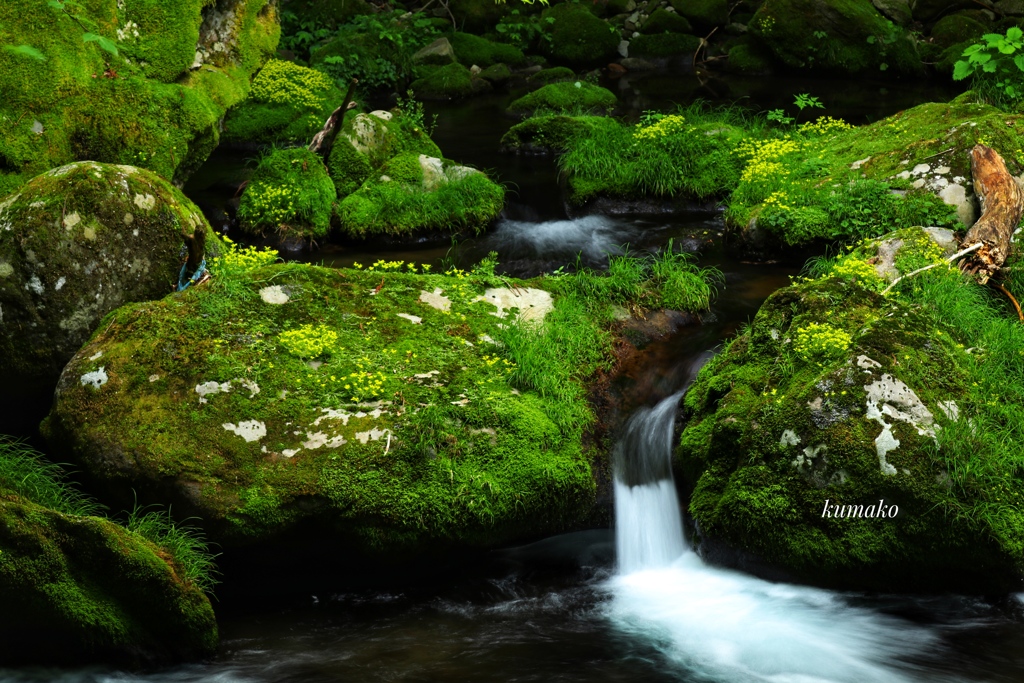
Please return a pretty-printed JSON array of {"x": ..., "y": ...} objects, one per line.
[{"x": 1002, "y": 205}]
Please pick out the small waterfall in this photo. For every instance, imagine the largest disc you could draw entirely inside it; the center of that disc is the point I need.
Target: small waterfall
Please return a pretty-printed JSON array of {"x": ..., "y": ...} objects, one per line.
[{"x": 648, "y": 526}]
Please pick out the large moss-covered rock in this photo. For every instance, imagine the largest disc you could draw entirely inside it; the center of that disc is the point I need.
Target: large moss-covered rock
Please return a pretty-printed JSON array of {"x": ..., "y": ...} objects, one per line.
[
  {"x": 291, "y": 194},
  {"x": 367, "y": 141},
  {"x": 288, "y": 104},
  {"x": 375, "y": 404},
  {"x": 449, "y": 82},
  {"x": 473, "y": 50},
  {"x": 76, "y": 243},
  {"x": 545, "y": 134},
  {"x": 663, "y": 21},
  {"x": 703, "y": 13},
  {"x": 664, "y": 45},
  {"x": 566, "y": 97},
  {"x": 835, "y": 36},
  {"x": 65, "y": 99},
  {"x": 835, "y": 438},
  {"x": 82, "y": 589},
  {"x": 577, "y": 36},
  {"x": 830, "y": 181},
  {"x": 418, "y": 193}
]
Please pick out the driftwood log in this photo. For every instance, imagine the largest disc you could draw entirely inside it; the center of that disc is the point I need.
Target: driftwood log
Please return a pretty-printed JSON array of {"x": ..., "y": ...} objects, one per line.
[
  {"x": 1002, "y": 204},
  {"x": 323, "y": 141}
]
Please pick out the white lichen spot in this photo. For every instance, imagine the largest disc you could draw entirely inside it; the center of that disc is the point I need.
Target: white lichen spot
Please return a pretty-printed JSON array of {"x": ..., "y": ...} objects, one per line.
[
  {"x": 921, "y": 169},
  {"x": 290, "y": 452},
  {"x": 89, "y": 233},
  {"x": 889, "y": 397},
  {"x": 250, "y": 430},
  {"x": 71, "y": 220},
  {"x": 789, "y": 438},
  {"x": 942, "y": 170},
  {"x": 331, "y": 414},
  {"x": 128, "y": 219},
  {"x": 436, "y": 299},
  {"x": 860, "y": 162},
  {"x": 372, "y": 435},
  {"x": 61, "y": 281},
  {"x": 320, "y": 440},
  {"x": 154, "y": 378},
  {"x": 37, "y": 127},
  {"x": 867, "y": 363},
  {"x": 145, "y": 201},
  {"x": 533, "y": 304},
  {"x": 806, "y": 458},
  {"x": 96, "y": 356},
  {"x": 250, "y": 385},
  {"x": 414, "y": 319},
  {"x": 950, "y": 409},
  {"x": 208, "y": 388},
  {"x": 274, "y": 295},
  {"x": 35, "y": 285},
  {"x": 6, "y": 269},
  {"x": 95, "y": 379}
]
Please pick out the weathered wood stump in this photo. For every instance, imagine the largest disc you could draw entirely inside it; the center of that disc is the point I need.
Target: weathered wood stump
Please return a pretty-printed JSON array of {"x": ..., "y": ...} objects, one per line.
[{"x": 1002, "y": 205}]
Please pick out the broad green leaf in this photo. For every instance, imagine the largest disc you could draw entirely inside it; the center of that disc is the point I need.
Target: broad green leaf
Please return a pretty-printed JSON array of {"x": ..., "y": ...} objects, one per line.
[
  {"x": 961, "y": 70},
  {"x": 981, "y": 57},
  {"x": 1007, "y": 48},
  {"x": 871, "y": 40},
  {"x": 26, "y": 50},
  {"x": 972, "y": 49},
  {"x": 990, "y": 67},
  {"x": 105, "y": 43},
  {"x": 1014, "y": 33}
]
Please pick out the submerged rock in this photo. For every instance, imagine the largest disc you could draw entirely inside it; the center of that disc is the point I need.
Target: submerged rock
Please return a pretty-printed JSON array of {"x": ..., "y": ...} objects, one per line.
[
  {"x": 829, "y": 440},
  {"x": 76, "y": 243},
  {"x": 373, "y": 404}
]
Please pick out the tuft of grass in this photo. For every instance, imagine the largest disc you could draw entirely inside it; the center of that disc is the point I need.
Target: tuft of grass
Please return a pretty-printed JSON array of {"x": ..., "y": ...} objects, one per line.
[
  {"x": 186, "y": 543},
  {"x": 26, "y": 472}
]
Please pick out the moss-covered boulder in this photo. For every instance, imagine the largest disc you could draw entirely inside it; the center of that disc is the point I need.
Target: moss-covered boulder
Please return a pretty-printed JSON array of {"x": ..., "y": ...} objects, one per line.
[
  {"x": 476, "y": 51},
  {"x": 555, "y": 74},
  {"x": 367, "y": 141},
  {"x": 288, "y": 104},
  {"x": 76, "y": 243},
  {"x": 837, "y": 437},
  {"x": 77, "y": 588},
  {"x": 547, "y": 134},
  {"x": 478, "y": 15},
  {"x": 574, "y": 98},
  {"x": 393, "y": 409},
  {"x": 663, "y": 21},
  {"x": 157, "y": 105},
  {"x": 828, "y": 181},
  {"x": 449, "y": 82},
  {"x": 290, "y": 194},
  {"x": 835, "y": 36},
  {"x": 417, "y": 193},
  {"x": 703, "y": 13},
  {"x": 749, "y": 59},
  {"x": 663, "y": 45},
  {"x": 577, "y": 36}
]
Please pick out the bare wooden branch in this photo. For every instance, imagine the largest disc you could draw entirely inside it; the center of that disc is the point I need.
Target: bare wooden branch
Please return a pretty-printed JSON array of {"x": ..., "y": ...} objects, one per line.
[
  {"x": 323, "y": 141},
  {"x": 1002, "y": 205},
  {"x": 954, "y": 257}
]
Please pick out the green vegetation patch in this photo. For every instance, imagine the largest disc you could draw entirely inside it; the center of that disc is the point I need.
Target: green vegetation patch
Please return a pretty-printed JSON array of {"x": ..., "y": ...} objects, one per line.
[
  {"x": 578, "y": 97},
  {"x": 473, "y": 50},
  {"x": 448, "y": 82},
  {"x": 555, "y": 74},
  {"x": 663, "y": 45},
  {"x": 837, "y": 393},
  {"x": 290, "y": 193},
  {"x": 577, "y": 37},
  {"x": 553, "y": 133}
]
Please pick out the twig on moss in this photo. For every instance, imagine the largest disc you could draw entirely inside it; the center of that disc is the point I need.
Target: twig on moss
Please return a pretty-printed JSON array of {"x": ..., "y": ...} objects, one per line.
[{"x": 954, "y": 257}]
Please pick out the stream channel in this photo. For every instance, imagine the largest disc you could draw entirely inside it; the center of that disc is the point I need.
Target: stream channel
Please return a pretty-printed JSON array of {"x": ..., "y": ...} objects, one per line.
[{"x": 581, "y": 607}]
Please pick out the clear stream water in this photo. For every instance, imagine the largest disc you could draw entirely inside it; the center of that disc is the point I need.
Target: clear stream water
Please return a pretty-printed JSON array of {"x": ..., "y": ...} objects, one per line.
[{"x": 633, "y": 604}]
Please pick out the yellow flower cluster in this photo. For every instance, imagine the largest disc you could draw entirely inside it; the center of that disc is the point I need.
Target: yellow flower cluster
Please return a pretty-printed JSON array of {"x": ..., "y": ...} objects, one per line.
[
  {"x": 283, "y": 82},
  {"x": 778, "y": 199},
  {"x": 861, "y": 270},
  {"x": 365, "y": 384},
  {"x": 824, "y": 125},
  {"x": 763, "y": 158},
  {"x": 504, "y": 365},
  {"x": 819, "y": 342},
  {"x": 274, "y": 204},
  {"x": 668, "y": 126},
  {"x": 235, "y": 260},
  {"x": 308, "y": 341}
]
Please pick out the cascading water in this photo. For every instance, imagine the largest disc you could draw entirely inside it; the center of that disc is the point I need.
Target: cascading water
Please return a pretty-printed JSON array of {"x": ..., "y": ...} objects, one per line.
[{"x": 722, "y": 625}]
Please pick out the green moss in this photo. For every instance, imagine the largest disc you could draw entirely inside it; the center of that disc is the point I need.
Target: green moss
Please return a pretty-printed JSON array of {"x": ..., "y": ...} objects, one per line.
[
  {"x": 956, "y": 28},
  {"x": 327, "y": 13},
  {"x": 499, "y": 73},
  {"x": 663, "y": 21},
  {"x": 748, "y": 59},
  {"x": 291, "y": 193},
  {"x": 444, "y": 83},
  {"x": 576, "y": 97},
  {"x": 806, "y": 432},
  {"x": 707, "y": 13},
  {"x": 75, "y": 243},
  {"x": 402, "y": 200},
  {"x": 425, "y": 442},
  {"x": 477, "y": 15},
  {"x": 835, "y": 36},
  {"x": 473, "y": 50},
  {"x": 577, "y": 36},
  {"x": 555, "y": 74},
  {"x": 552, "y": 133},
  {"x": 663, "y": 45},
  {"x": 288, "y": 104}
]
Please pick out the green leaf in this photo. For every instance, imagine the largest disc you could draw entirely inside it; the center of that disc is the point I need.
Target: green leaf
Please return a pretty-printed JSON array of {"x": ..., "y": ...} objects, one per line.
[
  {"x": 871, "y": 40},
  {"x": 961, "y": 70},
  {"x": 970, "y": 50},
  {"x": 1019, "y": 61},
  {"x": 1007, "y": 48},
  {"x": 990, "y": 67},
  {"x": 26, "y": 50},
  {"x": 883, "y": 66},
  {"x": 105, "y": 43},
  {"x": 1014, "y": 33},
  {"x": 981, "y": 57}
]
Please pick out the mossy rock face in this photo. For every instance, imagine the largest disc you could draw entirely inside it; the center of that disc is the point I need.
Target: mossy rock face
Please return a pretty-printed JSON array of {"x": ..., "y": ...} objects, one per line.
[
  {"x": 663, "y": 21},
  {"x": 163, "y": 115},
  {"x": 288, "y": 104},
  {"x": 838, "y": 396},
  {"x": 546, "y": 134},
  {"x": 575, "y": 97},
  {"x": 79, "y": 590},
  {"x": 449, "y": 82},
  {"x": 555, "y": 74},
  {"x": 703, "y": 13},
  {"x": 578, "y": 37},
  {"x": 922, "y": 152},
  {"x": 477, "y": 15},
  {"x": 290, "y": 193},
  {"x": 497, "y": 74},
  {"x": 367, "y": 141},
  {"x": 955, "y": 29},
  {"x": 663, "y": 45},
  {"x": 473, "y": 50},
  {"x": 404, "y": 434},
  {"x": 835, "y": 36},
  {"x": 415, "y": 193},
  {"x": 76, "y": 243},
  {"x": 749, "y": 59}
]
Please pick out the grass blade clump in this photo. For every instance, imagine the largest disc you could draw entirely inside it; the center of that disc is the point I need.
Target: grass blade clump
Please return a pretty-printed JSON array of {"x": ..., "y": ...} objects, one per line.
[
  {"x": 186, "y": 543},
  {"x": 25, "y": 472}
]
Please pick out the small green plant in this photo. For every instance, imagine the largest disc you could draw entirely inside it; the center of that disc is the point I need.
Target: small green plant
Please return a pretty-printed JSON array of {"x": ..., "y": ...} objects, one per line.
[
  {"x": 996, "y": 67},
  {"x": 26, "y": 472},
  {"x": 805, "y": 100},
  {"x": 237, "y": 260},
  {"x": 820, "y": 342},
  {"x": 308, "y": 341},
  {"x": 779, "y": 116},
  {"x": 187, "y": 544}
]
